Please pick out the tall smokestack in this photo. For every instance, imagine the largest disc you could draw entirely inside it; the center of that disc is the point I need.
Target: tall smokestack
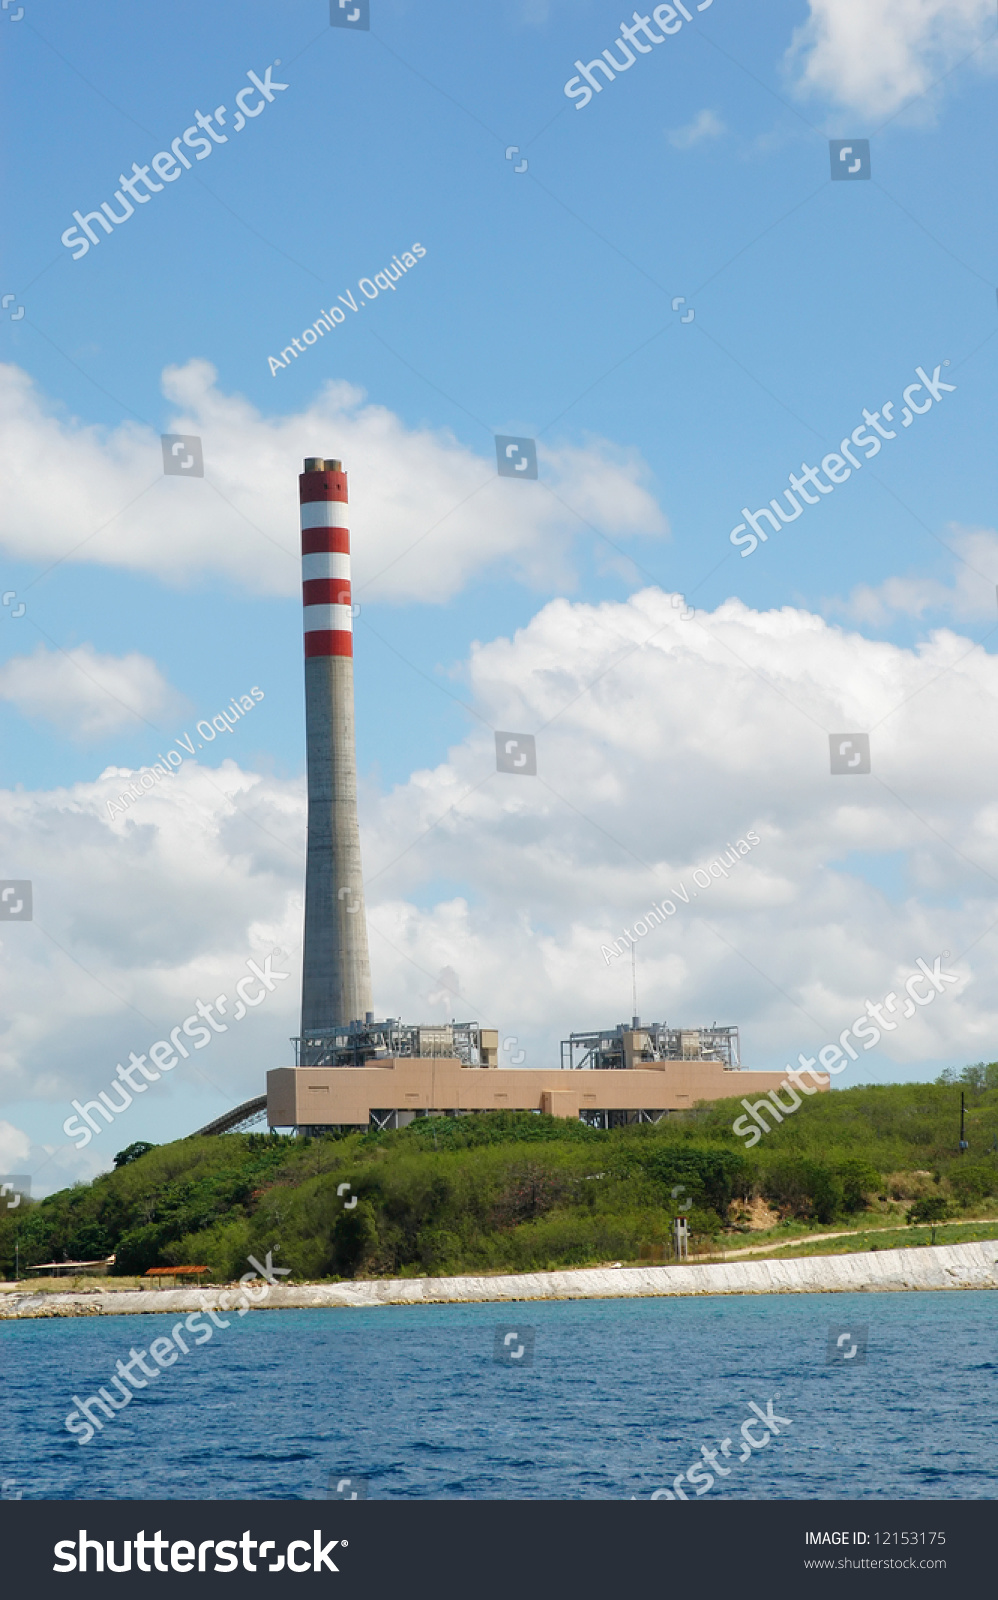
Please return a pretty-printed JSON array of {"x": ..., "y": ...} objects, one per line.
[{"x": 336, "y": 978}]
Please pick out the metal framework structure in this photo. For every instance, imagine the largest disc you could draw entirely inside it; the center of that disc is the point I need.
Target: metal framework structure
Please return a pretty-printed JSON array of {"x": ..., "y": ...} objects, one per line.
[
  {"x": 238, "y": 1120},
  {"x": 620, "y": 1119},
  {"x": 359, "y": 1043},
  {"x": 652, "y": 1041}
]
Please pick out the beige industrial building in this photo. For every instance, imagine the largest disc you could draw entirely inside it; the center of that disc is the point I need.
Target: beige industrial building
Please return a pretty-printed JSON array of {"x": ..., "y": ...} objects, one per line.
[{"x": 389, "y": 1092}]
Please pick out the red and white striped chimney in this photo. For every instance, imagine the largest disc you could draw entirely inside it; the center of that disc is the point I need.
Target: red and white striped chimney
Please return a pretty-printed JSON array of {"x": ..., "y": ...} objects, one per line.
[
  {"x": 336, "y": 972},
  {"x": 325, "y": 559}
]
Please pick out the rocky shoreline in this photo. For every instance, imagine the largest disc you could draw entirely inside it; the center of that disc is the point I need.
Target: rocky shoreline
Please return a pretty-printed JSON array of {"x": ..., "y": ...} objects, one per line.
[{"x": 938, "y": 1267}]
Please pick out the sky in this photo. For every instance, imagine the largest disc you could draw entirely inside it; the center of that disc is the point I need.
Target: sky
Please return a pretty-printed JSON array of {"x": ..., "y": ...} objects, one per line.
[{"x": 683, "y": 295}]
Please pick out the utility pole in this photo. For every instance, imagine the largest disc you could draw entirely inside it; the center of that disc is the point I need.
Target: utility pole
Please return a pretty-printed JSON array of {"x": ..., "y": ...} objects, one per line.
[{"x": 963, "y": 1142}]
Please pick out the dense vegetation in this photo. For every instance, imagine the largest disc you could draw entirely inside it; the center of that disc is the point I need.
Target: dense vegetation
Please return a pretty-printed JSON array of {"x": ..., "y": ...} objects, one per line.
[{"x": 515, "y": 1191}]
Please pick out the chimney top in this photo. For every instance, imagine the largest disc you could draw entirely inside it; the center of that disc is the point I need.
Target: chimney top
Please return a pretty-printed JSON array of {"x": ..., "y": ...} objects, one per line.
[{"x": 317, "y": 464}]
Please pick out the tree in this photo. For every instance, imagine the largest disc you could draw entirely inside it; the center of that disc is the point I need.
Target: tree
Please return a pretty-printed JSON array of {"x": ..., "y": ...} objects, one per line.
[
  {"x": 125, "y": 1157},
  {"x": 805, "y": 1189},
  {"x": 859, "y": 1179},
  {"x": 971, "y": 1183},
  {"x": 712, "y": 1177},
  {"x": 355, "y": 1240},
  {"x": 934, "y": 1208}
]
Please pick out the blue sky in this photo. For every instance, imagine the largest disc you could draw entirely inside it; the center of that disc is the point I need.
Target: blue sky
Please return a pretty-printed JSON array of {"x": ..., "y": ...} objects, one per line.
[{"x": 542, "y": 307}]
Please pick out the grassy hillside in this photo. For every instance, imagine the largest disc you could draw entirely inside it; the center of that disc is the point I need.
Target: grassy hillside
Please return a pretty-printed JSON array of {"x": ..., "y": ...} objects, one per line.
[{"x": 513, "y": 1191}]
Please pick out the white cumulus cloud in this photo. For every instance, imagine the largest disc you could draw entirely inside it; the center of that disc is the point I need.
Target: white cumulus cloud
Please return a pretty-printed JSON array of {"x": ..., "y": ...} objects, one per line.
[
  {"x": 435, "y": 514},
  {"x": 84, "y": 694},
  {"x": 15, "y": 1148},
  {"x": 870, "y": 56},
  {"x": 970, "y": 597}
]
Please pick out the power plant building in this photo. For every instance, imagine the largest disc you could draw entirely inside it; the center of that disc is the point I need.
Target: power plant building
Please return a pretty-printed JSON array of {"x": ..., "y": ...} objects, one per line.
[{"x": 352, "y": 1071}]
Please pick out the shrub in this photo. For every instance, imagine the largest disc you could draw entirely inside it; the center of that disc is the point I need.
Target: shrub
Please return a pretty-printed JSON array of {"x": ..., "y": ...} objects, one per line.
[
  {"x": 859, "y": 1181},
  {"x": 804, "y": 1189},
  {"x": 909, "y": 1185},
  {"x": 712, "y": 1176},
  {"x": 140, "y": 1248},
  {"x": 355, "y": 1240},
  {"x": 529, "y": 1192},
  {"x": 934, "y": 1208},
  {"x": 971, "y": 1183},
  {"x": 439, "y": 1250},
  {"x": 496, "y": 1127},
  {"x": 704, "y": 1223},
  {"x": 225, "y": 1250}
]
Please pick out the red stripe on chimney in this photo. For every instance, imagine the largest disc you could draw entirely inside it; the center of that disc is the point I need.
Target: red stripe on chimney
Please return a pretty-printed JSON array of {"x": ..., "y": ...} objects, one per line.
[
  {"x": 316, "y": 540},
  {"x": 333, "y": 642},
  {"x": 326, "y": 592}
]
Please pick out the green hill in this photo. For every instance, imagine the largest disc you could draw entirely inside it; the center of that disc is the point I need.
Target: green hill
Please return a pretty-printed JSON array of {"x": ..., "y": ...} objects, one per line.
[{"x": 518, "y": 1192}]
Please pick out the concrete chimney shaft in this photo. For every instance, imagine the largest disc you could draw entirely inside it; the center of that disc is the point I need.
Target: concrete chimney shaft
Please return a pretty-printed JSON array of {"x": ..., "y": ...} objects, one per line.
[{"x": 336, "y": 977}]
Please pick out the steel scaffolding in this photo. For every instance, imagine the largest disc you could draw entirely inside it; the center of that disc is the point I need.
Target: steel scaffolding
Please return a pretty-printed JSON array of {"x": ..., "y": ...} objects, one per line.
[
  {"x": 610, "y": 1049},
  {"x": 360, "y": 1043}
]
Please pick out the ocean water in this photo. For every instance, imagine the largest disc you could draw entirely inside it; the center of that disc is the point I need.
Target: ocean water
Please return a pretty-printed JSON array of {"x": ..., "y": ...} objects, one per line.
[{"x": 410, "y": 1402}]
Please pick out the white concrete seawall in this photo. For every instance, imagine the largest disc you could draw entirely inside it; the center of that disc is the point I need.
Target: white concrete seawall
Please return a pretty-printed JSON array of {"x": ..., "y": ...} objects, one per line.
[{"x": 956, "y": 1266}]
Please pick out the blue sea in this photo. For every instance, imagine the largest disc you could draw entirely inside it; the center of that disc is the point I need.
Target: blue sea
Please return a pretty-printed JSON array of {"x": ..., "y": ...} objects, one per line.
[{"x": 411, "y": 1403}]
